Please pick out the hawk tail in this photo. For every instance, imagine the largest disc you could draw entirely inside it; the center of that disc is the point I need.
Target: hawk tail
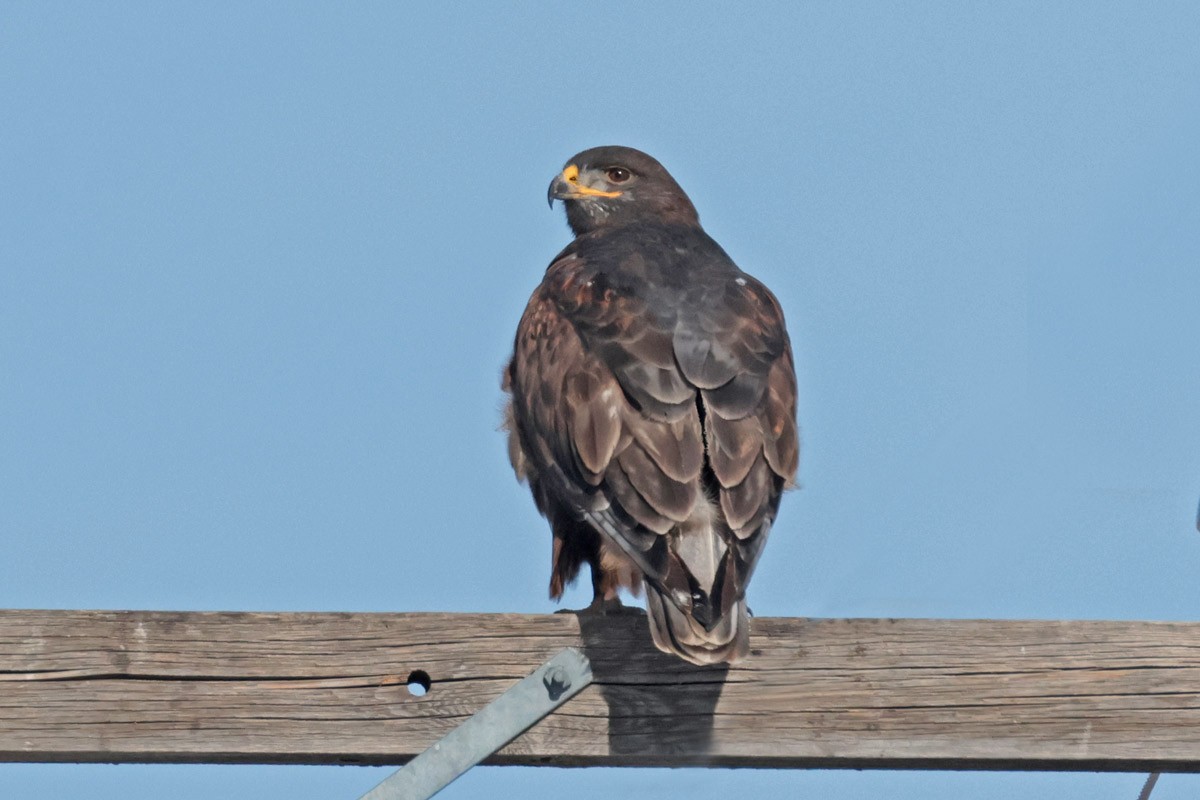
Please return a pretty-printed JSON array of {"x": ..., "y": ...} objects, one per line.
[{"x": 678, "y": 633}]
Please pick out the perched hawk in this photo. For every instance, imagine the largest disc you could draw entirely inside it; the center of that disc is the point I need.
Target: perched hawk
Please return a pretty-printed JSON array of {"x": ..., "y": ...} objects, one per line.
[{"x": 652, "y": 406}]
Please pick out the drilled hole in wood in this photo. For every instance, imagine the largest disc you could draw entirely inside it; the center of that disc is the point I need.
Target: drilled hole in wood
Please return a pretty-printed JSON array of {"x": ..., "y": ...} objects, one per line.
[{"x": 419, "y": 683}]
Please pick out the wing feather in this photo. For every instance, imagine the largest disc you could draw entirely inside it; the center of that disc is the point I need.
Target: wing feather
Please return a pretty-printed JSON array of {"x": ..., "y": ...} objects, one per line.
[
  {"x": 749, "y": 500},
  {"x": 630, "y": 501},
  {"x": 675, "y": 446},
  {"x": 778, "y": 419},
  {"x": 671, "y": 498},
  {"x": 594, "y": 418},
  {"x": 733, "y": 445}
]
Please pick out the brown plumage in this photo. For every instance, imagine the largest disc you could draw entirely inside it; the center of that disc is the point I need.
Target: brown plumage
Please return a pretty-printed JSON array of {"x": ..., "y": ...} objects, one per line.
[{"x": 652, "y": 406}]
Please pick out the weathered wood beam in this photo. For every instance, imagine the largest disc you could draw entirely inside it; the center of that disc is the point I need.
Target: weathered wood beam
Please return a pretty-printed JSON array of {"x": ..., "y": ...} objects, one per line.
[{"x": 327, "y": 688}]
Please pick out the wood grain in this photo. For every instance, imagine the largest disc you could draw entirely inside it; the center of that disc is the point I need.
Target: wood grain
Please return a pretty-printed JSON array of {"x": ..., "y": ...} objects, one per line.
[{"x": 328, "y": 688}]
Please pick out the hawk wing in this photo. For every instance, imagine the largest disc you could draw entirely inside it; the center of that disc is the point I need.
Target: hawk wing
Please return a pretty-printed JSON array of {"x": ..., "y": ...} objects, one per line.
[{"x": 668, "y": 426}]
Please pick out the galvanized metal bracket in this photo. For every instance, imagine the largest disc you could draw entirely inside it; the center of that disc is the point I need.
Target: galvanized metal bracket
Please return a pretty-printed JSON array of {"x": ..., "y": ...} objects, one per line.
[{"x": 493, "y": 726}]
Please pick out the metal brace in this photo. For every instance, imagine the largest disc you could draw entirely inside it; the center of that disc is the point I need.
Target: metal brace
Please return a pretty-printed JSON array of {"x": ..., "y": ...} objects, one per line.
[{"x": 493, "y": 726}]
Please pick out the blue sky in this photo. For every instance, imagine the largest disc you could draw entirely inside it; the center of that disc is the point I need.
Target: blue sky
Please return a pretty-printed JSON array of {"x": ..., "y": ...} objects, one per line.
[{"x": 260, "y": 265}]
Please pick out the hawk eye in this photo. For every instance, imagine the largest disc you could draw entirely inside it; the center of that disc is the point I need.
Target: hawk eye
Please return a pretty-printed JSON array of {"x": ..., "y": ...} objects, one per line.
[{"x": 617, "y": 174}]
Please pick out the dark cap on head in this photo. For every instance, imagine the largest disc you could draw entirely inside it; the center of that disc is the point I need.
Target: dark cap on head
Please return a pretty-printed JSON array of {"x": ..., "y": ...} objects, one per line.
[{"x": 613, "y": 186}]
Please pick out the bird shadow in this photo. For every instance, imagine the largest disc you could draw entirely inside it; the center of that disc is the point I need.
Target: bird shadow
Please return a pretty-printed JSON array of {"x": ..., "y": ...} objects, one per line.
[{"x": 660, "y": 707}]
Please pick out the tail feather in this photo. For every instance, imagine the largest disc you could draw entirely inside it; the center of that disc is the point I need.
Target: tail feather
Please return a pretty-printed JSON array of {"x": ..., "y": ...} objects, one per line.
[{"x": 677, "y": 633}]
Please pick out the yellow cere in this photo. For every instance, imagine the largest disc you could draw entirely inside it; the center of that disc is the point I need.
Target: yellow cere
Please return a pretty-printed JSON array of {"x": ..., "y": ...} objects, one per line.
[{"x": 571, "y": 176}]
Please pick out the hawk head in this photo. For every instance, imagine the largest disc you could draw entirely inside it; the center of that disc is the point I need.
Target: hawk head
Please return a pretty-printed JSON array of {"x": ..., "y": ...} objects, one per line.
[{"x": 607, "y": 187}]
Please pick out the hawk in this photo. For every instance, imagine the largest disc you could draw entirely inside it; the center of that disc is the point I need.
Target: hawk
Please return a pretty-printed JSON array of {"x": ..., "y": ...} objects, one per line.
[{"x": 652, "y": 406}]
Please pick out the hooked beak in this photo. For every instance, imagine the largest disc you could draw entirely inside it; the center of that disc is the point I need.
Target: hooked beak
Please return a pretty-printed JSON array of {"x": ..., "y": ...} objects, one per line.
[
  {"x": 567, "y": 186},
  {"x": 557, "y": 190}
]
